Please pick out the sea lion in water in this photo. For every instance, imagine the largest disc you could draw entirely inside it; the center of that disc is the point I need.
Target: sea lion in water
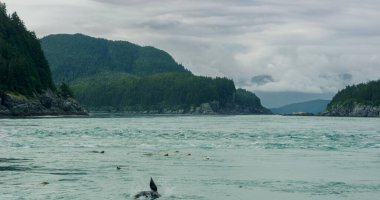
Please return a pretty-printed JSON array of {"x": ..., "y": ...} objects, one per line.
[
  {"x": 45, "y": 183},
  {"x": 98, "y": 151},
  {"x": 149, "y": 194}
]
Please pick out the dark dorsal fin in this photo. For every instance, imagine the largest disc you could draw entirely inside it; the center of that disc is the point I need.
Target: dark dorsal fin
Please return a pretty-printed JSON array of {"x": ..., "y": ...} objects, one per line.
[{"x": 153, "y": 186}]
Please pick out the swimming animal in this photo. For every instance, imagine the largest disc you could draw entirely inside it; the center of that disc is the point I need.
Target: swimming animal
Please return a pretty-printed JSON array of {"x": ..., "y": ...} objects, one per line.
[
  {"x": 98, "y": 151},
  {"x": 153, "y": 194}
]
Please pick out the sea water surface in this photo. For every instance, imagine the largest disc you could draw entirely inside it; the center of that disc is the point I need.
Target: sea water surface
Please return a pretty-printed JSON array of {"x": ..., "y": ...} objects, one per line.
[{"x": 209, "y": 157}]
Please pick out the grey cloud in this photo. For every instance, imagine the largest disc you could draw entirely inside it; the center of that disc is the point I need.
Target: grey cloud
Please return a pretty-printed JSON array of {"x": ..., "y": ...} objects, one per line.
[
  {"x": 305, "y": 46},
  {"x": 262, "y": 79},
  {"x": 161, "y": 24},
  {"x": 345, "y": 76}
]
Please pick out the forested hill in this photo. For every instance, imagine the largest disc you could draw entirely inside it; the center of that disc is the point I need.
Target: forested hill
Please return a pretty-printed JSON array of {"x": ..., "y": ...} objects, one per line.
[
  {"x": 357, "y": 100},
  {"x": 77, "y": 56},
  {"x": 26, "y": 85},
  {"x": 23, "y": 67},
  {"x": 123, "y": 77},
  {"x": 171, "y": 93}
]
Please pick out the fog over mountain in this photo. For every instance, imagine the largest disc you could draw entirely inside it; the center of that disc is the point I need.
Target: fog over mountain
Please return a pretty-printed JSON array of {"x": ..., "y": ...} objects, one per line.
[{"x": 265, "y": 46}]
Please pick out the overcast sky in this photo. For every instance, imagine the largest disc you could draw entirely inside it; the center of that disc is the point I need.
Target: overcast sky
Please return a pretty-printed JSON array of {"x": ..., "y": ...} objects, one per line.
[{"x": 311, "y": 46}]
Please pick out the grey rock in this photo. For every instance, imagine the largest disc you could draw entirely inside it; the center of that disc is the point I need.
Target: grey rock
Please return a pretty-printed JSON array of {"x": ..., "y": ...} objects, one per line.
[
  {"x": 205, "y": 108},
  {"x": 47, "y": 103},
  {"x": 355, "y": 110}
]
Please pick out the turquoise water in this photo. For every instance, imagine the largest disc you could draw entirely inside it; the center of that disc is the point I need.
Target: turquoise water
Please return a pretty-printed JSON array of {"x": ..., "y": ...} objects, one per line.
[{"x": 232, "y": 157}]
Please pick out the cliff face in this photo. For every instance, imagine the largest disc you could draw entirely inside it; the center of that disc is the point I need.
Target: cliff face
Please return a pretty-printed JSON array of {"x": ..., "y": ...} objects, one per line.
[
  {"x": 46, "y": 103},
  {"x": 354, "y": 110}
]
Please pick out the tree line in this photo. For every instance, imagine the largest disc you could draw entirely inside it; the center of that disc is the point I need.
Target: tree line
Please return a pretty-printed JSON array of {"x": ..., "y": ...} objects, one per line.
[
  {"x": 164, "y": 90},
  {"x": 76, "y": 56},
  {"x": 23, "y": 67},
  {"x": 363, "y": 93}
]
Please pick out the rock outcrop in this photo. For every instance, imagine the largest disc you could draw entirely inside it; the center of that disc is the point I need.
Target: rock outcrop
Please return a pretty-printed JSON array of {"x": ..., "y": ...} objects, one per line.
[
  {"x": 354, "y": 110},
  {"x": 46, "y": 103}
]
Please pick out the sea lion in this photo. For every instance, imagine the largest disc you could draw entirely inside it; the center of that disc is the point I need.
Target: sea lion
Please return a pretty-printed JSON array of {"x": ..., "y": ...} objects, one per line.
[
  {"x": 153, "y": 194},
  {"x": 97, "y": 151}
]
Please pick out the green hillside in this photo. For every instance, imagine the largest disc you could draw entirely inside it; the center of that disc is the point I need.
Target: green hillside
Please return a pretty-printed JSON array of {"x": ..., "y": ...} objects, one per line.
[
  {"x": 364, "y": 94},
  {"x": 77, "y": 56},
  {"x": 110, "y": 91},
  {"x": 120, "y": 76},
  {"x": 26, "y": 85},
  {"x": 23, "y": 67},
  {"x": 165, "y": 90}
]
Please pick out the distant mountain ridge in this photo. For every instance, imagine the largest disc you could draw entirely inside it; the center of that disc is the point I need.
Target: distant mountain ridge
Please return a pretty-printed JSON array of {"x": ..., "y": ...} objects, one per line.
[
  {"x": 76, "y": 56},
  {"x": 314, "y": 107}
]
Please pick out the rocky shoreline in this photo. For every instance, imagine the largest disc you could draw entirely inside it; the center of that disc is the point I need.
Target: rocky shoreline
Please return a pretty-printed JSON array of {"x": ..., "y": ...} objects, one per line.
[
  {"x": 47, "y": 103},
  {"x": 354, "y": 110},
  {"x": 212, "y": 108}
]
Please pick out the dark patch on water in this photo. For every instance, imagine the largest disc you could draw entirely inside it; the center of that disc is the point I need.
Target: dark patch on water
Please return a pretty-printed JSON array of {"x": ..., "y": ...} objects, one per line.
[
  {"x": 62, "y": 172},
  {"x": 69, "y": 179},
  {"x": 68, "y": 173},
  {"x": 13, "y": 160},
  {"x": 14, "y": 168},
  {"x": 16, "y": 164},
  {"x": 148, "y": 154},
  {"x": 127, "y": 195},
  {"x": 333, "y": 137}
]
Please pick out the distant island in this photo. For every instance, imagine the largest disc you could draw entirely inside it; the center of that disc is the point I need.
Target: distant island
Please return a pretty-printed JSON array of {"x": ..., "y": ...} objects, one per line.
[
  {"x": 26, "y": 85},
  {"x": 362, "y": 100},
  {"x": 119, "y": 76}
]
